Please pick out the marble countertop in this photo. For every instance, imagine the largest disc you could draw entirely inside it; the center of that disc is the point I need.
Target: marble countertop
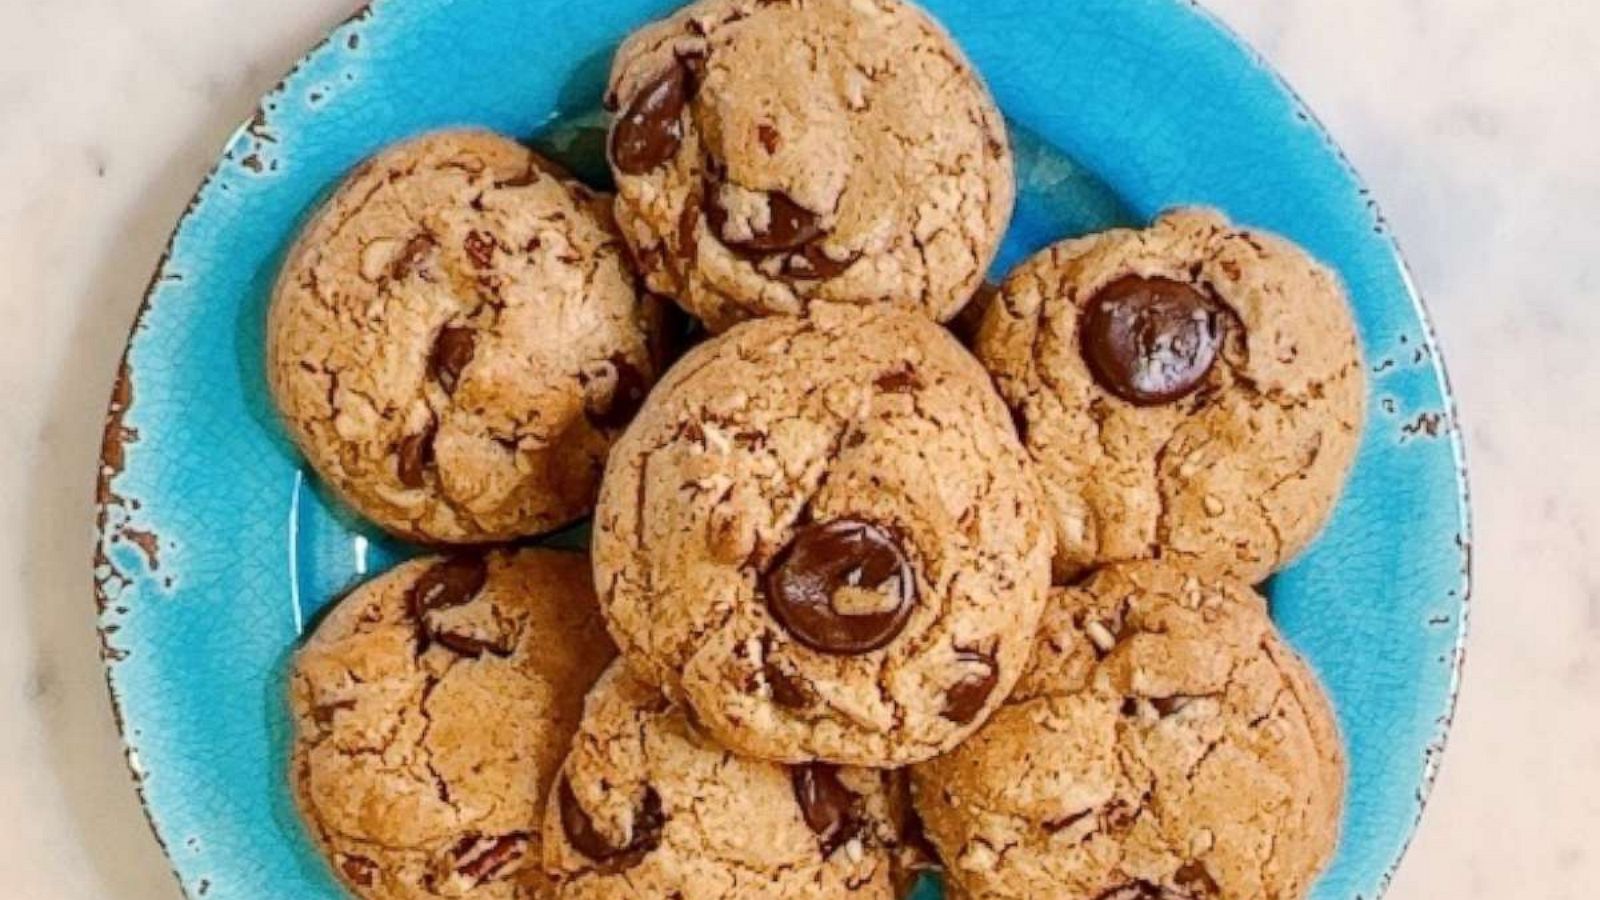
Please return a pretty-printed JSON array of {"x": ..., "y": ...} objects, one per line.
[{"x": 1473, "y": 121}]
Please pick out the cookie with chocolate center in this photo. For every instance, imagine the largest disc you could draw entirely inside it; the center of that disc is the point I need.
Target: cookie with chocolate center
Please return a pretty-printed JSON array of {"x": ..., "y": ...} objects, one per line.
[
  {"x": 1193, "y": 391},
  {"x": 823, "y": 536}
]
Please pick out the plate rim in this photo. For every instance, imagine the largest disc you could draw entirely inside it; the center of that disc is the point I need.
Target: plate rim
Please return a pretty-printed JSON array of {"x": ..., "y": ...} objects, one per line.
[
  {"x": 1439, "y": 745},
  {"x": 116, "y": 447}
]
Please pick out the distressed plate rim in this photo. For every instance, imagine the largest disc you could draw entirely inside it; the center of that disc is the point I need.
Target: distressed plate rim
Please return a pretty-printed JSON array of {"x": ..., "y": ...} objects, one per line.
[
  {"x": 1440, "y": 743},
  {"x": 117, "y": 444}
]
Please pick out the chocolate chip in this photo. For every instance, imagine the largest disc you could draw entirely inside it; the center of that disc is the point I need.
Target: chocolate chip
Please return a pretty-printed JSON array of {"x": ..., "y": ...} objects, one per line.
[
  {"x": 359, "y": 870},
  {"x": 468, "y": 646},
  {"x": 480, "y": 249},
  {"x": 1062, "y": 824},
  {"x": 413, "y": 458},
  {"x": 453, "y": 581},
  {"x": 627, "y": 396},
  {"x": 789, "y": 225},
  {"x": 825, "y": 560},
  {"x": 529, "y": 176},
  {"x": 1138, "y": 890},
  {"x": 650, "y": 131},
  {"x": 1150, "y": 340},
  {"x": 497, "y": 854},
  {"x": 1119, "y": 815},
  {"x": 828, "y": 807},
  {"x": 965, "y": 699},
  {"x": 322, "y": 714},
  {"x": 787, "y": 692},
  {"x": 903, "y": 380},
  {"x": 769, "y": 137},
  {"x": 413, "y": 253},
  {"x": 813, "y": 264},
  {"x": 452, "y": 351},
  {"x": 1194, "y": 878},
  {"x": 688, "y": 231},
  {"x": 648, "y": 821},
  {"x": 1167, "y": 706}
]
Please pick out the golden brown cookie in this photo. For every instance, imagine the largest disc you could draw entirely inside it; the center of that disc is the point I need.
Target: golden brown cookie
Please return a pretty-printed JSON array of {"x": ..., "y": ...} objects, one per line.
[
  {"x": 456, "y": 339},
  {"x": 432, "y": 709},
  {"x": 648, "y": 807},
  {"x": 822, "y": 535},
  {"x": 1165, "y": 743},
  {"x": 1193, "y": 391},
  {"x": 773, "y": 153}
]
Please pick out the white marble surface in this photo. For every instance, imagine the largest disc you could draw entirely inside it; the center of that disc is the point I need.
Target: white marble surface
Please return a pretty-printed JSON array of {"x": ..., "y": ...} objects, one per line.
[{"x": 1477, "y": 123}]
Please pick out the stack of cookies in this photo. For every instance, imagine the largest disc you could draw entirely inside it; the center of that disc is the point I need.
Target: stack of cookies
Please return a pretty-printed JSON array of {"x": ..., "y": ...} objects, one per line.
[{"x": 864, "y": 599}]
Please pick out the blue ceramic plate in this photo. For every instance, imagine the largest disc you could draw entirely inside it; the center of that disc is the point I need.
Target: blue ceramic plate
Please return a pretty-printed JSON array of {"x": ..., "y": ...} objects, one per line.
[{"x": 216, "y": 547}]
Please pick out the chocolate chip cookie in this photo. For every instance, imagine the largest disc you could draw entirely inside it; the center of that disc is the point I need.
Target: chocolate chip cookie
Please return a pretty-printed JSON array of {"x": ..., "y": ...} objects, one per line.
[
  {"x": 1165, "y": 743},
  {"x": 432, "y": 709},
  {"x": 823, "y": 536},
  {"x": 456, "y": 339},
  {"x": 773, "y": 153},
  {"x": 1193, "y": 391},
  {"x": 646, "y": 807}
]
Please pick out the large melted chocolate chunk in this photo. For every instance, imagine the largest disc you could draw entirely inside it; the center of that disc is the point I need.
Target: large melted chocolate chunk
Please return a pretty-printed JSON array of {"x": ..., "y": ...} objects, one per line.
[
  {"x": 650, "y": 131},
  {"x": 843, "y": 587},
  {"x": 648, "y": 821},
  {"x": 413, "y": 458},
  {"x": 965, "y": 699},
  {"x": 789, "y": 225},
  {"x": 1150, "y": 341},
  {"x": 452, "y": 352},
  {"x": 830, "y": 809},
  {"x": 787, "y": 692},
  {"x": 453, "y": 581},
  {"x": 412, "y": 255}
]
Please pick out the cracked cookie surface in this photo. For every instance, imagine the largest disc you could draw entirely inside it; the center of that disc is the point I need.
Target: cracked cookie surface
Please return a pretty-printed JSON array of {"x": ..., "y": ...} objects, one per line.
[
  {"x": 455, "y": 340},
  {"x": 432, "y": 709},
  {"x": 823, "y": 536},
  {"x": 648, "y": 807},
  {"x": 773, "y": 153},
  {"x": 1164, "y": 743},
  {"x": 1191, "y": 391}
]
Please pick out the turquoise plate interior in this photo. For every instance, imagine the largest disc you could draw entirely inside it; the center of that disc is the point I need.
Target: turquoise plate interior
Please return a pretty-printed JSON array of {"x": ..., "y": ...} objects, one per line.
[{"x": 216, "y": 547}]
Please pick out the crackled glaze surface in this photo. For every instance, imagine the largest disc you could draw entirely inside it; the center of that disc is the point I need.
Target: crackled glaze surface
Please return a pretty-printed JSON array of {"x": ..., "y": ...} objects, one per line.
[{"x": 216, "y": 547}]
